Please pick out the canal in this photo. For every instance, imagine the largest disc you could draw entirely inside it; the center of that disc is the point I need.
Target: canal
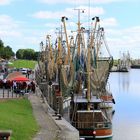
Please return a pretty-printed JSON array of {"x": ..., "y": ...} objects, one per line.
[{"x": 126, "y": 91}]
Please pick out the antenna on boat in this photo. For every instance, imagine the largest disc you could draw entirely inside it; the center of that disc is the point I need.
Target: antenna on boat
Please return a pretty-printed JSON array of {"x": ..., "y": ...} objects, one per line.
[
  {"x": 79, "y": 11},
  {"x": 89, "y": 15},
  {"x": 79, "y": 28}
]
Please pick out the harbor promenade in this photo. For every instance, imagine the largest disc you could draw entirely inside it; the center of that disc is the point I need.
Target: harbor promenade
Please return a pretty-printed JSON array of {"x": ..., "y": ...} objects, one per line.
[
  {"x": 51, "y": 127},
  {"x": 48, "y": 129}
]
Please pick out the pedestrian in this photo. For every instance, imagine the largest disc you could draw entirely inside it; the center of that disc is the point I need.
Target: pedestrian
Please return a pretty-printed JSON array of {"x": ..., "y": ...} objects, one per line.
[
  {"x": 14, "y": 86},
  {"x": 33, "y": 86},
  {"x": 28, "y": 73},
  {"x": 4, "y": 83}
]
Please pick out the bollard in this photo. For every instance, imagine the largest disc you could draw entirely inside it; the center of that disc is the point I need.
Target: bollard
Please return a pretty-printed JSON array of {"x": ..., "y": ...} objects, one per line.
[
  {"x": 3, "y": 92},
  {"x": 59, "y": 117},
  {"x": 55, "y": 114}
]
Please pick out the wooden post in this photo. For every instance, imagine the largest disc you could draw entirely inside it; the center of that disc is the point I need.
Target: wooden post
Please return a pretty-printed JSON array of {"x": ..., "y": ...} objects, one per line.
[
  {"x": 3, "y": 92},
  {"x": 8, "y": 93},
  {"x": 12, "y": 93}
]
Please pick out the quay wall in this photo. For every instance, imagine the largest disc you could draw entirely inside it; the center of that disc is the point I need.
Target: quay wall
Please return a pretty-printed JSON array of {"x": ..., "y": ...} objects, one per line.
[{"x": 66, "y": 130}]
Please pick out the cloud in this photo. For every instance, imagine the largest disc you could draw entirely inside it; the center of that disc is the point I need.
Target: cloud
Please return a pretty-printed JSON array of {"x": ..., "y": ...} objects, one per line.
[
  {"x": 46, "y": 14},
  {"x": 17, "y": 34},
  {"x": 5, "y": 2},
  {"x": 109, "y": 22},
  {"x": 123, "y": 40},
  {"x": 5, "y": 34},
  {"x": 126, "y": 37},
  {"x": 78, "y": 1},
  {"x": 53, "y": 15},
  {"x": 131, "y": 36},
  {"x": 9, "y": 30},
  {"x": 6, "y": 22},
  {"x": 69, "y": 12},
  {"x": 8, "y": 27},
  {"x": 52, "y": 25}
]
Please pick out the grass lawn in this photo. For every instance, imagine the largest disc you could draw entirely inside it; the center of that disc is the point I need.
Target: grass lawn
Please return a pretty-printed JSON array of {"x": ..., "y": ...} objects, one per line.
[
  {"x": 23, "y": 64},
  {"x": 17, "y": 115}
]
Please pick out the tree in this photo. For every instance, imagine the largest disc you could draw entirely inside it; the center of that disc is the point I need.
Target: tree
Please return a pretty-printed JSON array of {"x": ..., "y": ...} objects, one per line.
[
  {"x": 1, "y": 47},
  {"x": 5, "y": 52},
  {"x": 28, "y": 54},
  {"x": 36, "y": 55},
  {"x": 1, "y": 44},
  {"x": 19, "y": 53}
]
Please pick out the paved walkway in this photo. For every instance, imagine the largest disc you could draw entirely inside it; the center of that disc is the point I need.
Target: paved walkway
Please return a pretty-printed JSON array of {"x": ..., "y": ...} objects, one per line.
[{"x": 48, "y": 129}]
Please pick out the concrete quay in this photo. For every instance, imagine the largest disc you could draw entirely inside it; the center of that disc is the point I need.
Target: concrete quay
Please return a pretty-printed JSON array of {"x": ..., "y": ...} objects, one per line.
[{"x": 51, "y": 127}]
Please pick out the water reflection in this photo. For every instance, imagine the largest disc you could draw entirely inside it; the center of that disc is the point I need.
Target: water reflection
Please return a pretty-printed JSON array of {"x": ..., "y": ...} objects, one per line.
[
  {"x": 123, "y": 81},
  {"x": 125, "y": 88},
  {"x": 126, "y": 91}
]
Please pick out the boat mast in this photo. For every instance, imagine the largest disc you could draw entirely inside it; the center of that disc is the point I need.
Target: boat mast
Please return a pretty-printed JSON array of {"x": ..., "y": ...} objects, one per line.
[
  {"x": 88, "y": 71},
  {"x": 92, "y": 43},
  {"x": 91, "y": 46},
  {"x": 49, "y": 45},
  {"x": 79, "y": 28},
  {"x": 67, "y": 42}
]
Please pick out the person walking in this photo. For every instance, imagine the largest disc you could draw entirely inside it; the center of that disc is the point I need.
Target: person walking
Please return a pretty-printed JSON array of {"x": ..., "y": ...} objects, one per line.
[{"x": 33, "y": 86}]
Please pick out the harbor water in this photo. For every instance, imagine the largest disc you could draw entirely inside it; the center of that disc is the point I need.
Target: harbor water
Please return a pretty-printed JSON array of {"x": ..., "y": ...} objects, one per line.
[
  {"x": 125, "y": 87},
  {"x": 126, "y": 91}
]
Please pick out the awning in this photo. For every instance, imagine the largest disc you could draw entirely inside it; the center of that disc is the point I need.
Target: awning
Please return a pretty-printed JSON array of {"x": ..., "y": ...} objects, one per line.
[
  {"x": 14, "y": 75},
  {"x": 20, "y": 78}
]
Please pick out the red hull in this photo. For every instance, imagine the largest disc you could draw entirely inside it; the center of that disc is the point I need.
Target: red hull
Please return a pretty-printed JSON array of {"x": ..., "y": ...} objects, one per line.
[{"x": 97, "y": 133}]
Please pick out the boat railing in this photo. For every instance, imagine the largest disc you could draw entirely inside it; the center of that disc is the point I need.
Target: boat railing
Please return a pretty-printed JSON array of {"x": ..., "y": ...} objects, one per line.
[{"x": 81, "y": 125}]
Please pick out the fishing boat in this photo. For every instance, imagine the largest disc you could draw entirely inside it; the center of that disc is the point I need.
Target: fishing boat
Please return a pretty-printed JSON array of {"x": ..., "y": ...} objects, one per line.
[
  {"x": 135, "y": 64},
  {"x": 89, "y": 119},
  {"x": 77, "y": 70},
  {"x": 89, "y": 92},
  {"x": 123, "y": 63}
]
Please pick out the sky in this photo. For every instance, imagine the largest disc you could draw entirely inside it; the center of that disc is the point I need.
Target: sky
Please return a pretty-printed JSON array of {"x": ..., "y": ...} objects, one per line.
[{"x": 25, "y": 23}]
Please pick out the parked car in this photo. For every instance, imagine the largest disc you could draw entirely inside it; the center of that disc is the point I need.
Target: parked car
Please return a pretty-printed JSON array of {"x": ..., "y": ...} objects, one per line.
[{"x": 23, "y": 70}]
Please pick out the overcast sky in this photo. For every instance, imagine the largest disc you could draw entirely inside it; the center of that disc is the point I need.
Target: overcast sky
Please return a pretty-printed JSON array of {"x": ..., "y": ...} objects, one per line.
[{"x": 24, "y": 23}]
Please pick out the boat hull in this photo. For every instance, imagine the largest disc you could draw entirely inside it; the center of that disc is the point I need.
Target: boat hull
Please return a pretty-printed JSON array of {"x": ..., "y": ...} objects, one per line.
[
  {"x": 135, "y": 66},
  {"x": 97, "y": 133}
]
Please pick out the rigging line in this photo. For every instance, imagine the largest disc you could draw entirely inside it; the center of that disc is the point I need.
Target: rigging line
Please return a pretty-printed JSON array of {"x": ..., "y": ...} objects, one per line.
[
  {"x": 106, "y": 45},
  {"x": 89, "y": 15},
  {"x": 75, "y": 109}
]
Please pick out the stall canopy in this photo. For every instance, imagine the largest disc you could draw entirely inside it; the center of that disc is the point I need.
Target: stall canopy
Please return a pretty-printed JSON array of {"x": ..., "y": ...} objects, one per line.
[
  {"x": 13, "y": 75},
  {"x": 20, "y": 78},
  {"x": 17, "y": 76}
]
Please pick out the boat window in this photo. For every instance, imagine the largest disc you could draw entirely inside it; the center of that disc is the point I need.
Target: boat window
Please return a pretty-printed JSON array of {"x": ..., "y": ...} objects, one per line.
[{"x": 82, "y": 106}]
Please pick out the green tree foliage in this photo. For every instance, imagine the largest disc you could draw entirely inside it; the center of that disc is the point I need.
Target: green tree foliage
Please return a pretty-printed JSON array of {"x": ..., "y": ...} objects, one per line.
[
  {"x": 1, "y": 47},
  {"x": 36, "y": 55},
  {"x": 1, "y": 44},
  {"x": 19, "y": 53},
  {"x": 5, "y": 52},
  {"x": 28, "y": 54}
]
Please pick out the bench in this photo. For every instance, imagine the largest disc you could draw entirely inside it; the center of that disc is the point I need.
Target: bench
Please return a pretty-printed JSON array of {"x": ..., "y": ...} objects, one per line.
[{"x": 5, "y": 134}]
